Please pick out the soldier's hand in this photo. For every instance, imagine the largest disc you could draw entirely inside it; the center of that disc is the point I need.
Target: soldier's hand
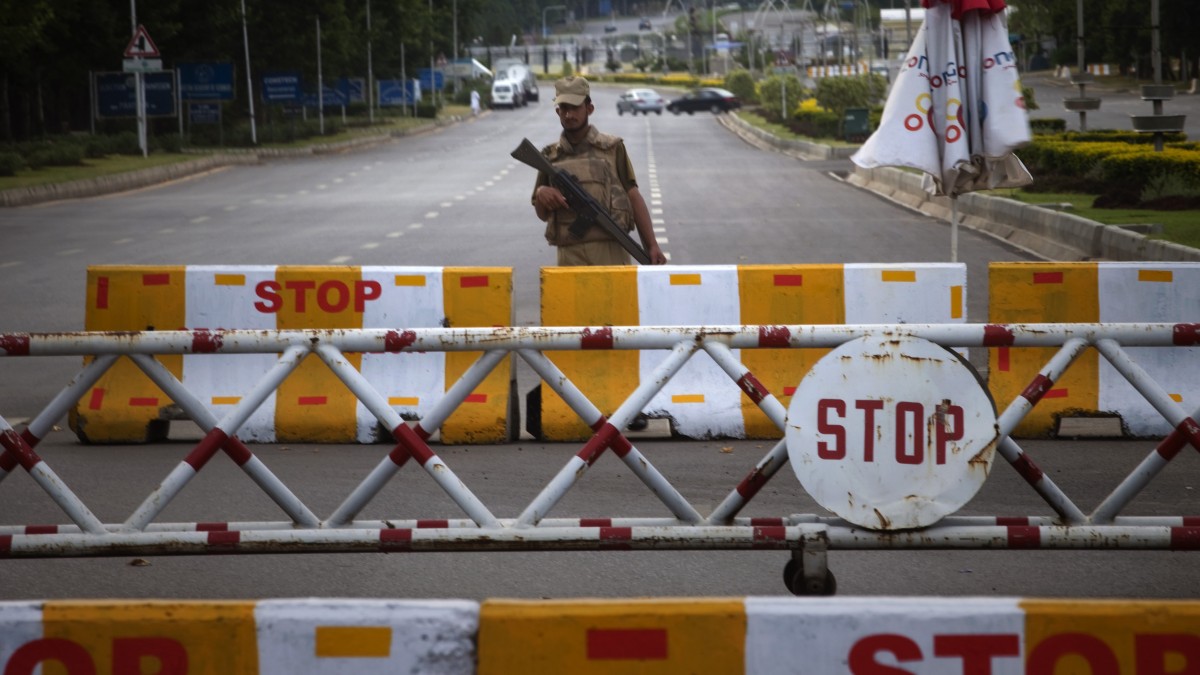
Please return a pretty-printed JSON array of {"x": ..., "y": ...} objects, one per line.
[{"x": 549, "y": 198}]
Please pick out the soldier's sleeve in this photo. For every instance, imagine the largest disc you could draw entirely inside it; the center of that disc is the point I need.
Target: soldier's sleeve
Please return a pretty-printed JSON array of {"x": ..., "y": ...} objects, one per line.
[{"x": 625, "y": 168}]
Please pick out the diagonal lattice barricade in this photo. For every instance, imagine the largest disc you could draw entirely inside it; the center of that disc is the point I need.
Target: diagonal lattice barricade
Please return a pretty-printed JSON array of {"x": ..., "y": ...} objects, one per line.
[{"x": 807, "y": 536}]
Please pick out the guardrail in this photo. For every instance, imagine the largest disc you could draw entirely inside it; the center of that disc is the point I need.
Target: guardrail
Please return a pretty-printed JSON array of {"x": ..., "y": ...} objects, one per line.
[{"x": 807, "y": 536}]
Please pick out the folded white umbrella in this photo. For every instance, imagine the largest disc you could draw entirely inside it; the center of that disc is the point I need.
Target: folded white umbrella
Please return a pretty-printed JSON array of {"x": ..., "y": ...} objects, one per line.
[{"x": 955, "y": 111}]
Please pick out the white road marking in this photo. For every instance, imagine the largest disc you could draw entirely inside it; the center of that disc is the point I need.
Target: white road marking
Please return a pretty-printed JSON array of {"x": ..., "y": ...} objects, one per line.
[
  {"x": 199, "y": 219},
  {"x": 71, "y": 251},
  {"x": 340, "y": 260},
  {"x": 431, "y": 214},
  {"x": 393, "y": 235},
  {"x": 415, "y": 226},
  {"x": 11, "y": 263}
]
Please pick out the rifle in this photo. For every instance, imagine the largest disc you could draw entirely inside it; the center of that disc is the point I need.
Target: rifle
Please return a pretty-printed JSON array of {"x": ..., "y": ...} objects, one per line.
[{"x": 588, "y": 211}]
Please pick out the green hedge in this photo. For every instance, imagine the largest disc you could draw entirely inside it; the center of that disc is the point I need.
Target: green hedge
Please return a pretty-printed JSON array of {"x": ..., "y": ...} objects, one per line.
[
  {"x": 1122, "y": 165},
  {"x": 1138, "y": 168}
]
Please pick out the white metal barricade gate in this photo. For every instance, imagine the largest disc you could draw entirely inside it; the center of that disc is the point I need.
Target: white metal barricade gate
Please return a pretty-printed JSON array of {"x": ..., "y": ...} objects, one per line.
[{"x": 807, "y": 536}]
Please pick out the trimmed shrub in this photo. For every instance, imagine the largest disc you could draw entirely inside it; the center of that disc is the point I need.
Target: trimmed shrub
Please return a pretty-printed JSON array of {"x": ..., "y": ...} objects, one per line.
[
  {"x": 1043, "y": 125},
  {"x": 741, "y": 83},
  {"x": 779, "y": 95},
  {"x": 10, "y": 163},
  {"x": 815, "y": 123},
  {"x": 63, "y": 154}
]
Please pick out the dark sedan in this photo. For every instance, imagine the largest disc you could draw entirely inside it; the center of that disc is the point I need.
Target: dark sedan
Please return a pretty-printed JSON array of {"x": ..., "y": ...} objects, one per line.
[{"x": 711, "y": 99}]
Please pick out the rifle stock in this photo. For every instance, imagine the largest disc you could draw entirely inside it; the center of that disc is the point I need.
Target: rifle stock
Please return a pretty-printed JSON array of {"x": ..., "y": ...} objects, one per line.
[{"x": 587, "y": 210}]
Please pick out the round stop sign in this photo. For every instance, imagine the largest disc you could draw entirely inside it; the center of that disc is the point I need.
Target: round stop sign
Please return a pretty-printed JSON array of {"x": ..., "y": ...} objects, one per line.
[{"x": 891, "y": 433}]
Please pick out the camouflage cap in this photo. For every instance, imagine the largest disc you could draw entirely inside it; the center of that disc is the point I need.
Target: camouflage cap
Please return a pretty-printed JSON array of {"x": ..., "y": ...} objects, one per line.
[{"x": 571, "y": 91}]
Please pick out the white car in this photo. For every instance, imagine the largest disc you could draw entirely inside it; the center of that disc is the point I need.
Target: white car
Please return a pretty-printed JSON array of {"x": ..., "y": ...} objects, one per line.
[
  {"x": 507, "y": 94},
  {"x": 643, "y": 101}
]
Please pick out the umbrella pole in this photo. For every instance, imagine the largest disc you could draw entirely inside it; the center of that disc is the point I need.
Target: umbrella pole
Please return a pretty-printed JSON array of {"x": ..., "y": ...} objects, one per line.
[{"x": 954, "y": 229}]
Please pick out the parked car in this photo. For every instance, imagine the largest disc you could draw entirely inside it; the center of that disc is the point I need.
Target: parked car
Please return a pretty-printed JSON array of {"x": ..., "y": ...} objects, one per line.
[
  {"x": 644, "y": 24},
  {"x": 643, "y": 101},
  {"x": 712, "y": 99}
]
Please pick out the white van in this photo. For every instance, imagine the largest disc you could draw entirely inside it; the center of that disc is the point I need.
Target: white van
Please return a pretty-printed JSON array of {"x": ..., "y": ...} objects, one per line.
[
  {"x": 516, "y": 70},
  {"x": 507, "y": 92}
]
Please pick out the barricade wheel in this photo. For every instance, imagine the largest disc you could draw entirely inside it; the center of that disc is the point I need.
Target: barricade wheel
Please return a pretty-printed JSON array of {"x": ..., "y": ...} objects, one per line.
[{"x": 793, "y": 579}]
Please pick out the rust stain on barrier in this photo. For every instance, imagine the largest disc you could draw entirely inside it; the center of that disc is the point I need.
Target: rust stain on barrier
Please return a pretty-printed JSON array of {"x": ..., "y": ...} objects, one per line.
[{"x": 884, "y": 522}]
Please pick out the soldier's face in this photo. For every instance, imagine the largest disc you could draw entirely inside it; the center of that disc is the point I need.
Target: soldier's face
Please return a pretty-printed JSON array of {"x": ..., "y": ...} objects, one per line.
[{"x": 573, "y": 117}]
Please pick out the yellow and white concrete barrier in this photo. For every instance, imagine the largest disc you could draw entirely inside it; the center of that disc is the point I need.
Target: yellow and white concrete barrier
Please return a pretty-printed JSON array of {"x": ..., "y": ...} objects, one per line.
[{"x": 312, "y": 405}]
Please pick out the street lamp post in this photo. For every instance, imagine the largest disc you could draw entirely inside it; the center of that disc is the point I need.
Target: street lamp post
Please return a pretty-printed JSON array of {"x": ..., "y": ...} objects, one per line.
[
  {"x": 370, "y": 75},
  {"x": 249, "y": 78},
  {"x": 544, "y": 11}
]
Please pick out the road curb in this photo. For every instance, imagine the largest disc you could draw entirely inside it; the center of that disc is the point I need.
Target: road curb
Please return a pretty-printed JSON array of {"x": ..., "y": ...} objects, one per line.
[{"x": 1050, "y": 234}]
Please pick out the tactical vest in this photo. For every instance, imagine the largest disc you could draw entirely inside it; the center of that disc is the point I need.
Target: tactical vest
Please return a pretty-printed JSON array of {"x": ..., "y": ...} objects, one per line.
[{"x": 595, "y": 169}]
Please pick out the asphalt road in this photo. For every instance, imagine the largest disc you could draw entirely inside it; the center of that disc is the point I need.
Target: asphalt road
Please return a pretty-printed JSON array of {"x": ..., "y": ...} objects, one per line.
[{"x": 455, "y": 197}]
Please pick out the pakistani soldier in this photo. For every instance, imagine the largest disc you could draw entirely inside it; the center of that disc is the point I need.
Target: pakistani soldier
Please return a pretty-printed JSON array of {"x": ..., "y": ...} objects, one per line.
[{"x": 601, "y": 164}]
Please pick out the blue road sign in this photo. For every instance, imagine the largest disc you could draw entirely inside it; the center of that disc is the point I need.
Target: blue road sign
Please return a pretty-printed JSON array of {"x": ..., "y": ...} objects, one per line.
[
  {"x": 206, "y": 81},
  {"x": 204, "y": 113},
  {"x": 438, "y": 79},
  {"x": 398, "y": 92},
  {"x": 116, "y": 94},
  {"x": 330, "y": 98},
  {"x": 353, "y": 88},
  {"x": 281, "y": 87}
]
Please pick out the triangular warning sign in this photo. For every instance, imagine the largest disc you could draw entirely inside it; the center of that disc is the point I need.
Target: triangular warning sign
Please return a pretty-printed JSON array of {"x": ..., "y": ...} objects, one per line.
[{"x": 141, "y": 45}]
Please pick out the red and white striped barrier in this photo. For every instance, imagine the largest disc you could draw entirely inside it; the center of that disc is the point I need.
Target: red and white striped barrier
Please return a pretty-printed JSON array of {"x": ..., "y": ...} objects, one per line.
[{"x": 899, "y": 429}]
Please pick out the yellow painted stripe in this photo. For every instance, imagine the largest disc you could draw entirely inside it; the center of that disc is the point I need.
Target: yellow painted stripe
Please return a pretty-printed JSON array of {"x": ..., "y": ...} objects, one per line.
[
  {"x": 480, "y": 297},
  {"x": 170, "y": 636},
  {"x": 334, "y": 421},
  {"x": 685, "y": 279},
  {"x": 1041, "y": 292},
  {"x": 687, "y": 398},
  {"x": 410, "y": 279},
  {"x": 820, "y": 299},
  {"x": 120, "y": 298},
  {"x": 353, "y": 641},
  {"x": 1118, "y": 636},
  {"x": 660, "y": 636},
  {"x": 899, "y": 275},
  {"x": 404, "y": 400},
  {"x": 1178, "y": 398},
  {"x": 226, "y": 400},
  {"x": 1161, "y": 276},
  {"x": 229, "y": 279},
  {"x": 589, "y": 296},
  {"x": 956, "y": 302}
]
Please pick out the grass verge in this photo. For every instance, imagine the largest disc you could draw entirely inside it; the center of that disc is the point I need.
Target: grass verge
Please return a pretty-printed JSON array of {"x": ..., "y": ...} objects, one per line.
[
  {"x": 91, "y": 168},
  {"x": 1180, "y": 227}
]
